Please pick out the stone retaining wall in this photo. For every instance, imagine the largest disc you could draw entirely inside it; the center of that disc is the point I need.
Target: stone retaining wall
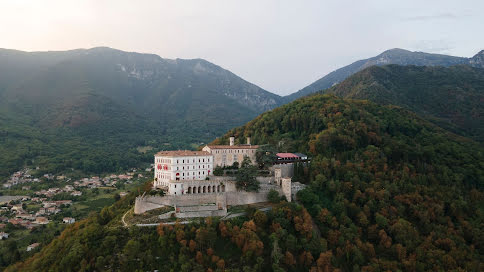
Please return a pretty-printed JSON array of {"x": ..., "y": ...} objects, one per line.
[{"x": 189, "y": 204}]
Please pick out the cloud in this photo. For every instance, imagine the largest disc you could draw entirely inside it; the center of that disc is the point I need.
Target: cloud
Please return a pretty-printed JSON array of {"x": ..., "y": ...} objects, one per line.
[
  {"x": 442, "y": 16},
  {"x": 433, "y": 46}
]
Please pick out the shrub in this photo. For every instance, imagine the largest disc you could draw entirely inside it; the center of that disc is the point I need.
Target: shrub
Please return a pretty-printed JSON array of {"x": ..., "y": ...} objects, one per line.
[{"x": 273, "y": 196}]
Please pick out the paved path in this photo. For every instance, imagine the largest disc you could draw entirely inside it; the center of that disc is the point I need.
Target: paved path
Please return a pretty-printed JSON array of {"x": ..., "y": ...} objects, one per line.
[
  {"x": 167, "y": 223},
  {"x": 187, "y": 222},
  {"x": 122, "y": 218}
]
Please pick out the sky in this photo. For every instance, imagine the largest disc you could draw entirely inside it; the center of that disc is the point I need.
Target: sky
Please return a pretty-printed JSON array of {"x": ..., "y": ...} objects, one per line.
[{"x": 281, "y": 46}]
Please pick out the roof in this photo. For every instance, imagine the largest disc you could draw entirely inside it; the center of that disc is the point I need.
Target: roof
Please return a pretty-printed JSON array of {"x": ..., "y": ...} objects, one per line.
[
  {"x": 287, "y": 155},
  {"x": 181, "y": 153},
  {"x": 233, "y": 146}
]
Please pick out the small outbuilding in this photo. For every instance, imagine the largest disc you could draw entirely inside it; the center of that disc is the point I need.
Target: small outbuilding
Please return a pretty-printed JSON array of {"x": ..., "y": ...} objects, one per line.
[
  {"x": 68, "y": 220},
  {"x": 33, "y": 246}
]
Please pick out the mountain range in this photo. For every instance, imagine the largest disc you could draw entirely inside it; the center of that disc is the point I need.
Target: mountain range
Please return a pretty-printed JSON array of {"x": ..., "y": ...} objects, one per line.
[
  {"x": 144, "y": 83},
  {"x": 115, "y": 100},
  {"x": 392, "y": 56},
  {"x": 95, "y": 109}
]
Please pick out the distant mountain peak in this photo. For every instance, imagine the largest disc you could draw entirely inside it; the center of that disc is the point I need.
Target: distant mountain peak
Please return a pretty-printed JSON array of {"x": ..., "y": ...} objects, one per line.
[
  {"x": 395, "y": 50},
  {"x": 477, "y": 60},
  {"x": 392, "y": 56}
]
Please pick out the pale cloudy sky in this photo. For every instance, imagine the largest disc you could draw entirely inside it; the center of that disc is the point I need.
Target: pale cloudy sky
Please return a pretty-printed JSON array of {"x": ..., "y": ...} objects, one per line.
[{"x": 281, "y": 46}]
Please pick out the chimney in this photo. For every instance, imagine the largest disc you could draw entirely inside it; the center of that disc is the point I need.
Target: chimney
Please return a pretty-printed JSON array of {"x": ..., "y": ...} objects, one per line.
[
  {"x": 248, "y": 140},
  {"x": 232, "y": 140}
]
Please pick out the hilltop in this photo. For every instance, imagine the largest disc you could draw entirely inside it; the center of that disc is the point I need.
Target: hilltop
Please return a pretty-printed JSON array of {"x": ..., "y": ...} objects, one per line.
[
  {"x": 392, "y": 56},
  {"x": 387, "y": 191},
  {"x": 451, "y": 97}
]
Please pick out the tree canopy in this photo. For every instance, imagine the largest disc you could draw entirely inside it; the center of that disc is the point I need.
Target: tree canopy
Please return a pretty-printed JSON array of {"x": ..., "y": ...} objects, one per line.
[{"x": 246, "y": 176}]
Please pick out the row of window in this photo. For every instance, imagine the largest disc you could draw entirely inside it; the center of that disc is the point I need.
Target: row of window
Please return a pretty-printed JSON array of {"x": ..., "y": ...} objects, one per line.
[
  {"x": 234, "y": 151},
  {"x": 224, "y": 157},
  {"x": 188, "y": 173},
  {"x": 161, "y": 160},
  {"x": 161, "y": 183},
  {"x": 188, "y": 167},
  {"x": 193, "y": 160},
  {"x": 193, "y": 167},
  {"x": 164, "y": 176}
]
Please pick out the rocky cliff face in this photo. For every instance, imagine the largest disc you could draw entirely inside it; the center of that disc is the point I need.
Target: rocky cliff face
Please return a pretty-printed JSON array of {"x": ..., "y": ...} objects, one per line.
[{"x": 477, "y": 60}]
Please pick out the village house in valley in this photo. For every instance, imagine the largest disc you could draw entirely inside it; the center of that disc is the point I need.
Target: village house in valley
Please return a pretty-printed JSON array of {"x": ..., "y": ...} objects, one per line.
[
  {"x": 3, "y": 235},
  {"x": 33, "y": 246}
]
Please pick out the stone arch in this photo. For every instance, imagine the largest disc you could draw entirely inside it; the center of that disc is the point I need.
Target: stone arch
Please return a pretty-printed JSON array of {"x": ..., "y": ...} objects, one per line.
[
  {"x": 218, "y": 189},
  {"x": 223, "y": 188},
  {"x": 189, "y": 191},
  {"x": 204, "y": 189},
  {"x": 199, "y": 189},
  {"x": 213, "y": 189}
]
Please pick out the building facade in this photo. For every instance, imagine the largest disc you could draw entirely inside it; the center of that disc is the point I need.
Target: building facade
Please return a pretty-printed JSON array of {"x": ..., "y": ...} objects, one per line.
[
  {"x": 174, "y": 168},
  {"x": 226, "y": 155}
]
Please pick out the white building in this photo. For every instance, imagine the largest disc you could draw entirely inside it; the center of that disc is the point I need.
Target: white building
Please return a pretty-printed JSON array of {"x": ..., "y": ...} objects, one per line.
[
  {"x": 173, "y": 168},
  {"x": 226, "y": 155},
  {"x": 3, "y": 235},
  {"x": 68, "y": 220},
  {"x": 33, "y": 246}
]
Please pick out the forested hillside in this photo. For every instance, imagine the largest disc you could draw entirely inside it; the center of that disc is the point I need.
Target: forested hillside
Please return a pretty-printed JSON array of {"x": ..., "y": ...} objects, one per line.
[
  {"x": 451, "y": 97},
  {"x": 387, "y": 191},
  {"x": 91, "y": 109},
  {"x": 392, "y": 56}
]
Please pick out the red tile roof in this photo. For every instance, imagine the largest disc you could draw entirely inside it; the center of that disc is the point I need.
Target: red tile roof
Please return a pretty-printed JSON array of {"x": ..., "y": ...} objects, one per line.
[{"x": 287, "y": 155}]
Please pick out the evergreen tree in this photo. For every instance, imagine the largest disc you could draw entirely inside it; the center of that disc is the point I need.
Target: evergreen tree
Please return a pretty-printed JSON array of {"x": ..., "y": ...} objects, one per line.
[{"x": 246, "y": 176}]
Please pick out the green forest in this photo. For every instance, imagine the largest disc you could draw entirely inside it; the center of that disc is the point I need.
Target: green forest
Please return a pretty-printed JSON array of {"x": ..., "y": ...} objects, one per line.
[
  {"x": 93, "y": 110},
  {"x": 388, "y": 191},
  {"x": 450, "y": 97}
]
